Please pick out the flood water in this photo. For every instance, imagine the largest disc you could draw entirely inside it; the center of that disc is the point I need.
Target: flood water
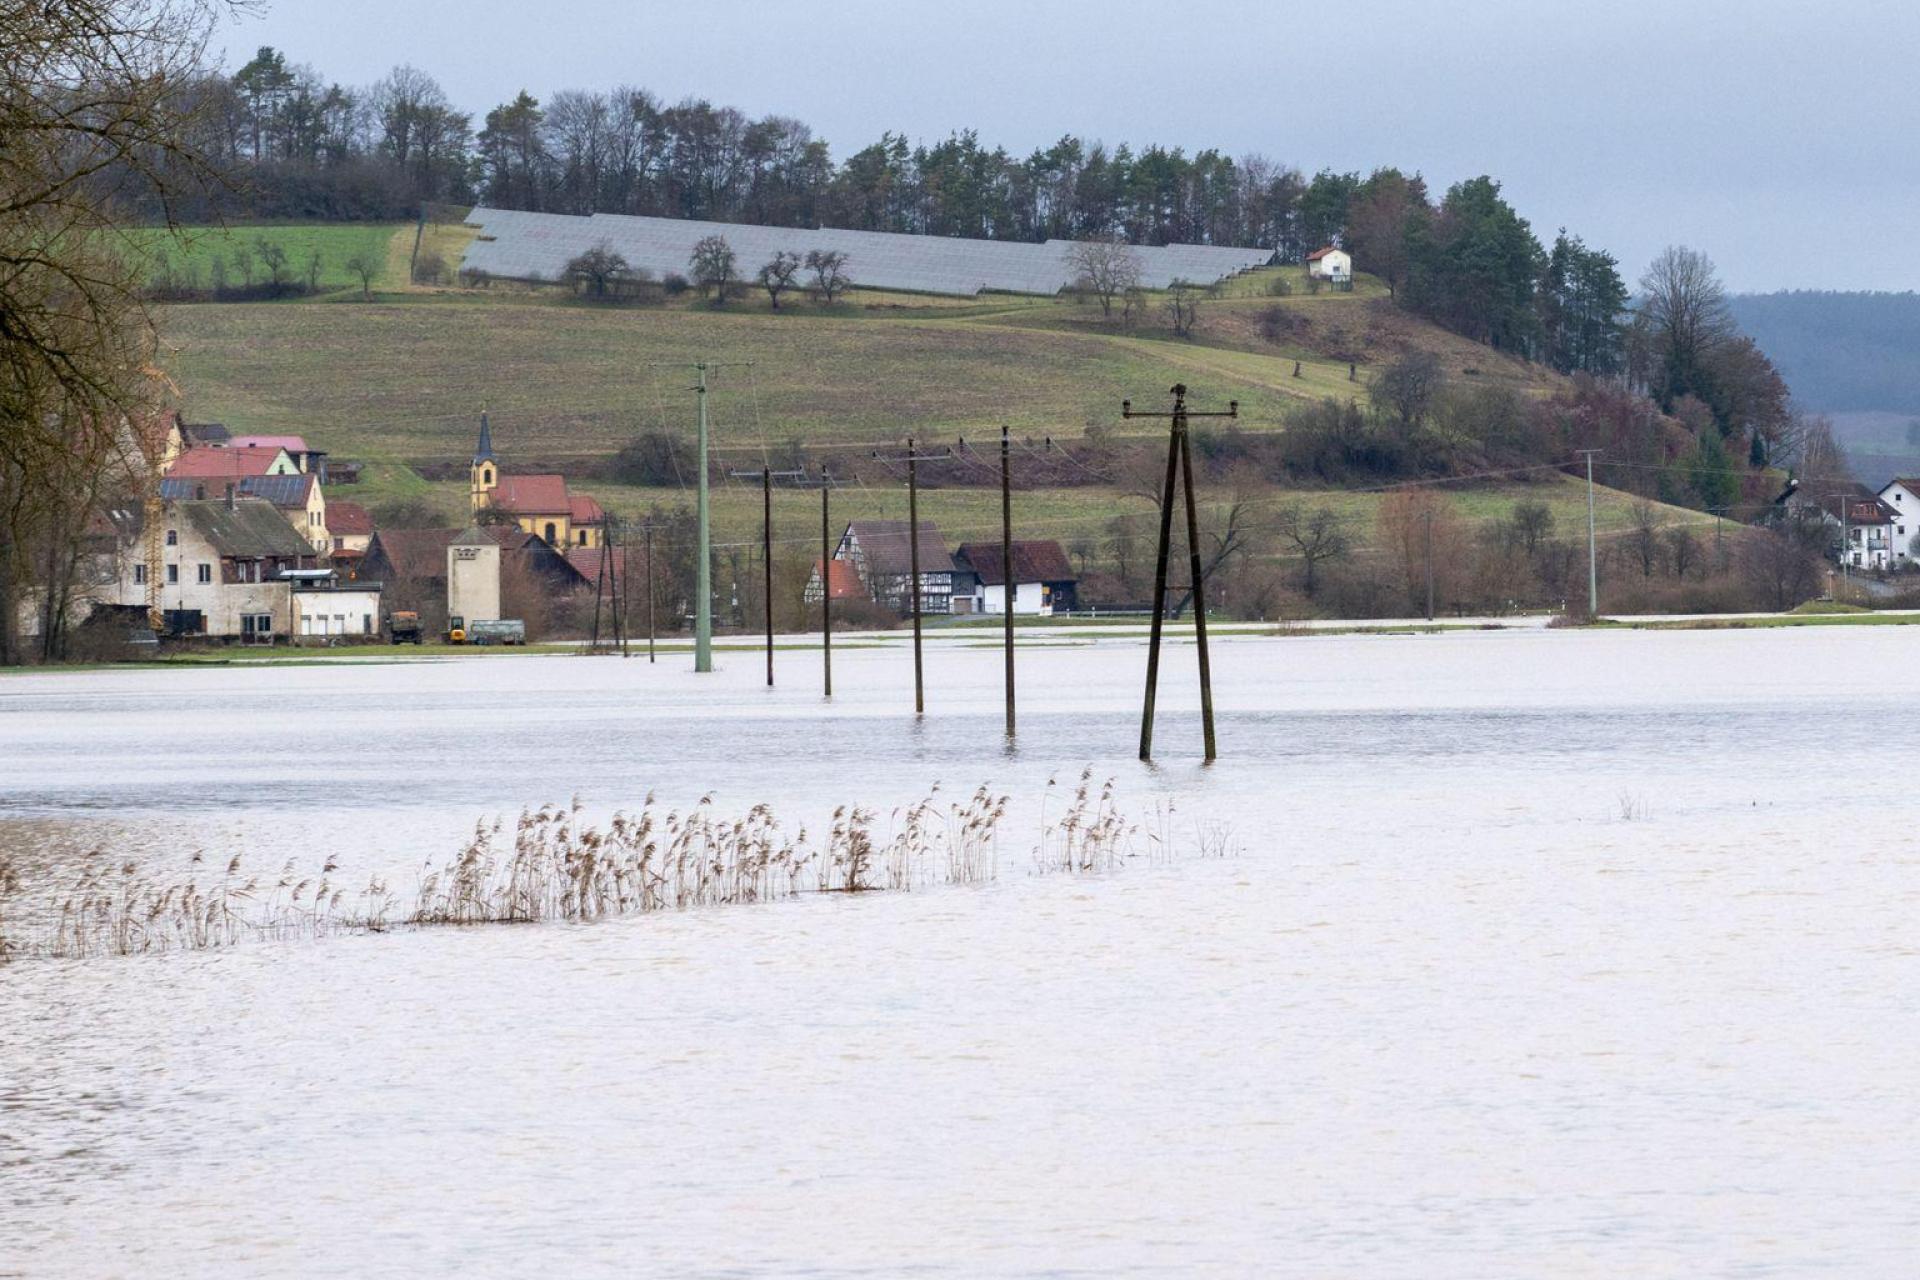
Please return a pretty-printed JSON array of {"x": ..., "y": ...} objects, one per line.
[{"x": 1541, "y": 954}]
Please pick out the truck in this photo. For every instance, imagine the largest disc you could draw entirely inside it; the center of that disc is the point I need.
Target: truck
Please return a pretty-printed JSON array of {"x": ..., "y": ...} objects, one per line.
[
  {"x": 497, "y": 631},
  {"x": 403, "y": 627}
]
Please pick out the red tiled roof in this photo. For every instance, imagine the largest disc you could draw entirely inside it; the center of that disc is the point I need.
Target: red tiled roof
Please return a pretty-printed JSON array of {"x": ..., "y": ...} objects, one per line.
[
  {"x": 532, "y": 495},
  {"x": 203, "y": 462},
  {"x": 1318, "y": 254},
  {"x": 1042, "y": 561},
  {"x": 292, "y": 444},
  {"x": 586, "y": 561},
  {"x": 584, "y": 510},
  {"x": 842, "y": 579},
  {"x": 348, "y": 518}
]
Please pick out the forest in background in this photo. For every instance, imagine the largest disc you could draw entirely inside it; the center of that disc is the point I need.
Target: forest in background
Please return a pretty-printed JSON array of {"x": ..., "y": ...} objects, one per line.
[{"x": 1843, "y": 352}]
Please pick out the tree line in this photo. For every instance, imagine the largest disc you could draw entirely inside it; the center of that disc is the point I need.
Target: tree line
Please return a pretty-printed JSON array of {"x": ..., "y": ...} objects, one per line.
[{"x": 307, "y": 147}]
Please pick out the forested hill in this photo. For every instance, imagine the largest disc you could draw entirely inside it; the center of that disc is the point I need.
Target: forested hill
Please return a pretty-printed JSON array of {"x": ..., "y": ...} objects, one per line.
[{"x": 1840, "y": 352}]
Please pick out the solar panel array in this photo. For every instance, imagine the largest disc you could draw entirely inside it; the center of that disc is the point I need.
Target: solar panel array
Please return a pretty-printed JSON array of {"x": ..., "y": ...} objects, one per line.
[{"x": 537, "y": 246}]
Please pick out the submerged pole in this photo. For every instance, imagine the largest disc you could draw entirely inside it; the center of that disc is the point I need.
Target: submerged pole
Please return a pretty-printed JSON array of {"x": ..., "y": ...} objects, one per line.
[
  {"x": 826, "y": 591},
  {"x": 1006, "y": 563},
  {"x": 913, "y": 567}
]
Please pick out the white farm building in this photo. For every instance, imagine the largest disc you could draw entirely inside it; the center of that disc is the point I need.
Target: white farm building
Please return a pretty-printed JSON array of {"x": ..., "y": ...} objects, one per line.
[{"x": 1334, "y": 265}]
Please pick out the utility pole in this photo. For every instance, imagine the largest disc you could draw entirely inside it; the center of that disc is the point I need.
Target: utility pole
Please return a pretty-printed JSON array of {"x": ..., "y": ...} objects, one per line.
[
  {"x": 826, "y": 587},
  {"x": 1179, "y": 461},
  {"x": 913, "y": 559},
  {"x": 767, "y": 475},
  {"x": 1846, "y": 534},
  {"x": 1429, "y": 558},
  {"x": 1593, "y": 553},
  {"x": 703, "y": 568},
  {"x": 1006, "y": 562},
  {"x": 647, "y": 528}
]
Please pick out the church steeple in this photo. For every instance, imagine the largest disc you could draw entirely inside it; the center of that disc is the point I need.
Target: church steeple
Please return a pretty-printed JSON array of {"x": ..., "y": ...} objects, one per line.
[
  {"x": 484, "y": 475},
  {"x": 483, "y": 452}
]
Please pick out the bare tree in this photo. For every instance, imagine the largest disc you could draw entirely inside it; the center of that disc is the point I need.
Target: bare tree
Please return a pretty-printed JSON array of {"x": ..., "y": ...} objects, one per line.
[
  {"x": 1818, "y": 458},
  {"x": 1643, "y": 537},
  {"x": 713, "y": 267},
  {"x": 1781, "y": 565},
  {"x": 1683, "y": 550},
  {"x": 829, "y": 267},
  {"x": 1532, "y": 523},
  {"x": 779, "y": 274},
  {"x": 365, "y": 264},
  {"x": 1222, "y": 543},
  {"x": 1685, "y": 321},
  {"x": 1409, "y": 387},
  {"x": 273, "y": 256},
  {"x": 1183, "y": 306},
  {"x": 1317, "y": 534},
  {"x": 1105, "y": 267},
  {"x": 599, "y": 269},
  {"x": 95, "y": 98}
]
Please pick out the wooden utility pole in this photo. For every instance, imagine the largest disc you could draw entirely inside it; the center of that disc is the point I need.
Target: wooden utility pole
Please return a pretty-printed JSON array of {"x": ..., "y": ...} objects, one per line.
[
  {"x": 1429, "y": 557},
  {"x": 648, "y": 529},
  {"x": 913, "y": 562},
  {"x": 913, "y": 558},
  {"x": 766, "y": 547},
  {"x": 1006, "y": 563},
  {"x": 826, "y": 587},
  {"x": 1179, "y": 462}
]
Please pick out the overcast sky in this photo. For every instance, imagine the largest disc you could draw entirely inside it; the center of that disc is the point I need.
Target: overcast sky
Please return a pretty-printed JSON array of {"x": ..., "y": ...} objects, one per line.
[{"x": 1774, "y": 134}]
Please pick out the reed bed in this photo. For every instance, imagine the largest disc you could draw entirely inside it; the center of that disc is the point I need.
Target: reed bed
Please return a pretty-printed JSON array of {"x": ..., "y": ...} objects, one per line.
[{"x": 554, "y": 864}]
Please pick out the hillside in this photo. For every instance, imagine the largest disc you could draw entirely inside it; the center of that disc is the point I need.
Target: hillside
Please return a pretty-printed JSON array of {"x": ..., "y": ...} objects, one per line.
[
  {"x": 398, "y": 384},
  {"x": 402, "y": 379}
]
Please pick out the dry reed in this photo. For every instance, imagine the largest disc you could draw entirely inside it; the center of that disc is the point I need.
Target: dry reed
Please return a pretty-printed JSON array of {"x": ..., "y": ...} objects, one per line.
[{"x": 556, "y": 865}]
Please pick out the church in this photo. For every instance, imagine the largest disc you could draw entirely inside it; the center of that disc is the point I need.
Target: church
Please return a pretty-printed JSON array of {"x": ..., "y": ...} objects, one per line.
[{"x": 540, "y": 504}]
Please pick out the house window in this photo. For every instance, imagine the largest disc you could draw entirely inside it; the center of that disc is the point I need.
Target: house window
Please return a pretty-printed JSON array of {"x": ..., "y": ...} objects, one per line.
[
  {"x": 139, "y": 574},
  {"x": 173, "y": 573},
  {"x": 552, "y": 533},
  {"x": 173, "y": 537},
  {"x": 206, "y": 573}
]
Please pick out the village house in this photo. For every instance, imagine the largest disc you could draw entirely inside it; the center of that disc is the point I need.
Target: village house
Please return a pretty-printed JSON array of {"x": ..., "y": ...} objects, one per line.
[
  {"x": 325, "y": 608},
  {"x": 1862, "y": 526},
  {"x": 881, "y": 554},
  {"x": 1902, "y": 495},
  {"x": 1332, "y": 264},
  {"x": 541, "y": 504},
  {"x": 1042, "y": 579},
  {"x": 351, "y": 528},
  {"x": 296, "y": 497},
  {"x": 222, "y": 563}
]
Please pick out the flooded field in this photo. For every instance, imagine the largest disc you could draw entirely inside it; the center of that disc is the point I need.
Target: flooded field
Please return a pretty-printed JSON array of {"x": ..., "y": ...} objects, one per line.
[{"x": 1540, "y": 953}]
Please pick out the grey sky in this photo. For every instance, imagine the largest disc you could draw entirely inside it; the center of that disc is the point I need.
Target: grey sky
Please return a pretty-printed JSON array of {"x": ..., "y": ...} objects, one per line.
[{"x": 1773, "y": 134}]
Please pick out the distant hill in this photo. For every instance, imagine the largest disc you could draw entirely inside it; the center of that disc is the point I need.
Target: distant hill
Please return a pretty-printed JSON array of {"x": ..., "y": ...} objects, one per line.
[{"x": 1840, "y": 352}]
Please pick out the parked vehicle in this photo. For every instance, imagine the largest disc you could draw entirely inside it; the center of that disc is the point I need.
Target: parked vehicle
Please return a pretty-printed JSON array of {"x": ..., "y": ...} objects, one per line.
[
  {"x": 403, "y": 627},
  {"x": 497, "y": 631}
]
